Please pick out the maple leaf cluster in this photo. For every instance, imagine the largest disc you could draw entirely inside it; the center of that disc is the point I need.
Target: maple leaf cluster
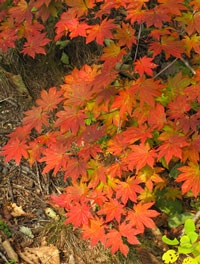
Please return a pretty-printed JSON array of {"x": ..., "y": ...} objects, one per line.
[{"x": 112, "y": 136}]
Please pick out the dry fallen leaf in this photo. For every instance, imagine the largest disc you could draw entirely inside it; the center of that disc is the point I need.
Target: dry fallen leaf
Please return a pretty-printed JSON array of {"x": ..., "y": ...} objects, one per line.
[
  {"x": 41, "y": 255},
  {"x": 17, "y": 211}
]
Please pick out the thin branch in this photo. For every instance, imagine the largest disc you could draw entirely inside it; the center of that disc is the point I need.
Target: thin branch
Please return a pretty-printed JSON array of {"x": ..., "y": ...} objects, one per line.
[
  {"x": 169, "y": 65},
  {"x": 139, "y": 34},
  {"x": 188, "y": 65}
]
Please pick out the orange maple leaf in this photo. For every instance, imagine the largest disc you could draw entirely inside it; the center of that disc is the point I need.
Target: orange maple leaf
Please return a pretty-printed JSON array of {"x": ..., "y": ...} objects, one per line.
[
  {"x": 191, "y": 21},
  {"x": 191, "y": 177},
  {"x": 15, "y": 149},
  {"x": 75, "y": 168},
  {"x": 49, "y": 100},
  {"x": 128, "y": 189},
  {"x": 70, "y": 118},
  {"x": 146, "y": 65},
  {"x": 140, "y": 156},
  {"x": 125, "y": 35},
  {"x": 170, "y": 45},
  {"x": 148, "y": 89},
  {"x": 34, "y": 44},
  {"x": 140, "y": 216},
  {"x": 55, "y": 158},
  {"x": 80, "y": 7},
  {"x": 172, "y": 7},
  {"x": 95, "y": 231},
  {"x": 172, "y": 146},
  {"x": 112, "y": 209},
  {"x": 79, "y": 214},
  {"x": 100, "y": 32},
  {"x": 35, "y": 118},
  {"x": 114, "y": 238},
  {"x": 21, "y": 12}
]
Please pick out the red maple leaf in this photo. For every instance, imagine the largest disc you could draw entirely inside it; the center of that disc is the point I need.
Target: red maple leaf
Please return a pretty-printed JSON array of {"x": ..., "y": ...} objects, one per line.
[
  {"x": 128, "y": 189},
  {"x": 21, "y": 12},
  {"x": 79, "y": 94},
  {"x": 89, "y": 150},
  {"x": 79, "y": 214},
  {"x": 95, "y": 231},
  {"x": 49, "y": 100},
  {"x": 34, "y": 151},
  {"x": 55, "y": 157},
  {"x": 140, "y": 156},
  {"x": 172, "y": 7},
  {"x": 191, "y": 177},
  {"x": 30, "y": 28},
  {"x": 192, "y": 151},
  {"x": 22, "y": 133},
  {"x": 15, "y": 149},
  {"x": 172, "y": 146},
  {"x": 34, "y": 44},
  {"x": 116, "y": 169},
  {"x": 80, "y": 7},
  {"x": 91, "y": 134},
  {"x": 191, "y": 21},
  {"x": 7, "y": 39},
  {"x": 148, "y": 89},
  {"x": 124, "y": 101},
  {"x": 156, "y": 17},
  {"x": 100, "y": 32},
  {"x": 118, "y": 144},
  {"x": 77, "y": 29},
  {"x": 157, "y": 117},
  {"x": 70, "y": 118},
  {"x": 133, "y": 134},
  {"x": 125, "y": 35},
  {"x": 170, "y": 45},
  {"x": 145, "y": 64},
  {"x": 114, "y": 238},
  {"x": 112, "y": 209},
  {"x": 75, "y": 168},
  {"x": 75, "y": 193},
  {"x": 141, "y": 216},
  {"x": 178, "y": 107},
  {"x": 35, "y": 118},
  {"x": 112, "y": 54}
]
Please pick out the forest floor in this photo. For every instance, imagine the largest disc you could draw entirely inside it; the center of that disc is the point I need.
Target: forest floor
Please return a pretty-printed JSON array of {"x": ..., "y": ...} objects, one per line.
[{"x": 31, "y": 227}]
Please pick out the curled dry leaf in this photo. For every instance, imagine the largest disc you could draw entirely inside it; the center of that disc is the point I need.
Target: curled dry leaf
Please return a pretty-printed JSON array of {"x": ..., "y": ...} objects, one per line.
[
  {"x": 17, "y": 211},
  {"x": 41, "y": 255}
]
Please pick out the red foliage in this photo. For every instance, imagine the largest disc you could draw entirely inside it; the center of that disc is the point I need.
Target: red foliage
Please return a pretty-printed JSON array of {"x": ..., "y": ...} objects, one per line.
[{"x": 110, "y": 125}]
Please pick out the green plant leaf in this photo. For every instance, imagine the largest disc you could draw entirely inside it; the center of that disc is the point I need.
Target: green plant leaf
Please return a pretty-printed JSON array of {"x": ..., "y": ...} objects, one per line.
[
  {"x": 179, "y": 219},
  {"x": 185, "y": 240},
  {"x": 169, "y": 206},
  {"x": 193, "y": 236},
  {"x": 174, "y": 172},
  {"x": 186, "y": 250},
  {"x": 189, "y": 226},
  {"x": 169, "y": 241},
  {"x": 62, "y": 43},
  {"x": 65, "y": 58}
]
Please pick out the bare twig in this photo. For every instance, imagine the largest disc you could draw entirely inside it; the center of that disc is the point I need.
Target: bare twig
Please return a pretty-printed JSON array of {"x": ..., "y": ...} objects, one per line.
[
  {"x": 138, "y": 40},
  {"x": 3, "y": 257},
  {"x": 38, "y": 176},
  {"x": 10, "y": 189},
  {"x": 119, "y": 126},
  {"x": 188, "y": 65},
  {"x": 169, "y": 65}
]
